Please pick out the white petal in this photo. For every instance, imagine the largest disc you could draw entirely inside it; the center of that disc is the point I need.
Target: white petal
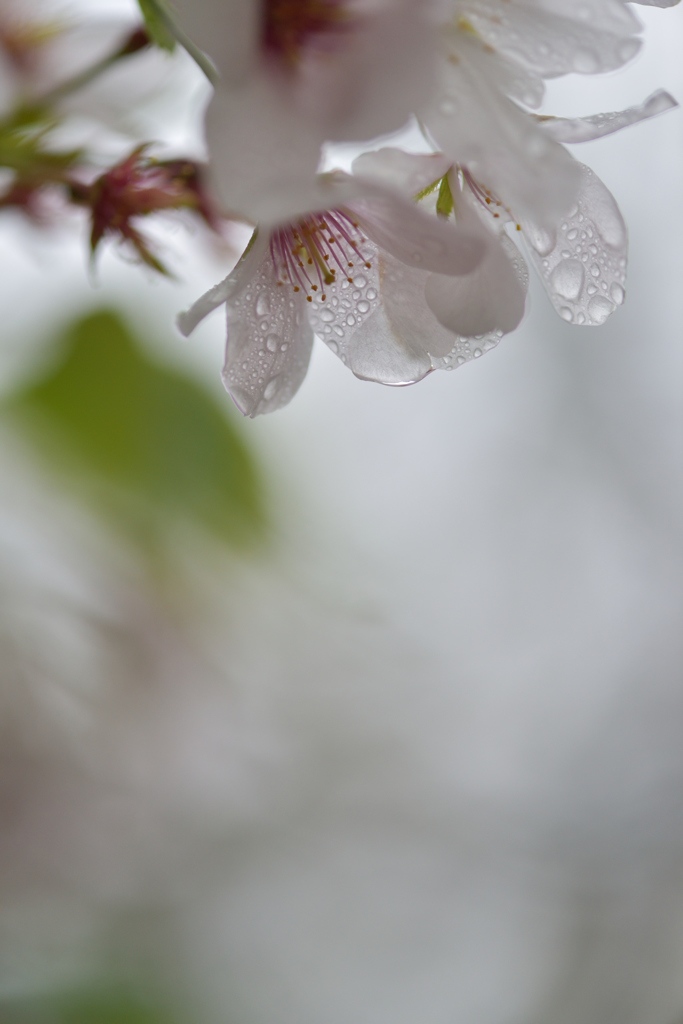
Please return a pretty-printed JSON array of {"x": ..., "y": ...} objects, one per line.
[
  {"x": 238, "y": 278},
  {"x": 478, "y": 126},
  {"x": 370, "y": 79},
  {"x": 583, "y": 263},
  {"x": 381, "y": 327},
  {"x": 263, "y": 157},
  {"x": 352, "y": 321},
  {"x": 553, "y": 38},
  {"x": 408, "y": 173},
  {"x": 418, "y": 238},
  {"x": 227, "y": 30},
  {"x": 269, "y": 343},
  {"x": 409, "y": 316},
  {"x": 489, "y": 299},
  {"x": 584, "y": 129}
]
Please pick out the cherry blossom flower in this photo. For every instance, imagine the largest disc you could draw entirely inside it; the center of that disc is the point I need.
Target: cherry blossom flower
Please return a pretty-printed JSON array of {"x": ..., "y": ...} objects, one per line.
[
  {"x": 494, "y": 56},
  {"x": 297, "y": 73},
  {"x": 357, "y": 273}
]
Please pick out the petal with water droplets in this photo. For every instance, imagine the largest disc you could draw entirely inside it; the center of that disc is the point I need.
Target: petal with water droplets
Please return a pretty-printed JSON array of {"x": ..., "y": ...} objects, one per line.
[
  {"x": 584, "y": 129},
  {"x": 585, "y": 271},
  {"x": 269, "y": 342}
]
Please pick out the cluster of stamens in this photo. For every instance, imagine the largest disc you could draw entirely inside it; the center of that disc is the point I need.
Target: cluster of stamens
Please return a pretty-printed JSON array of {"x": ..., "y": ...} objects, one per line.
[{"x": 318, "y": 251}]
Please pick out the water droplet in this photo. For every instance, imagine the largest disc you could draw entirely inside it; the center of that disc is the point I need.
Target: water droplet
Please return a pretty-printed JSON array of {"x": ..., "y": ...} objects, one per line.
[
  {"x": 595, "y": 270},
  {"x": 617, "y": 293},
  {"x": 477, "y": 352},
  {"x": 338, "y": 331},
  {"x": 566, "y": 314},
  {"x": 571, "y": 235},
  {"x": 360, "y": 281},
  {"x": 350, "y": 319},
  {"x": 333, "y": 346},
  {"x": 363, "y": 306},
  {"x": 262, "y": 304},
  {"x": 599, "y": 308},
  {"x": 272, "y": 342},
  {"x": 270, "y": 388},
  {"x": 371, "y": 294},
  {"x": 326, "y": 316},
  {"x": 567, "y": 279},
  {"x": 542, "y": 240}
]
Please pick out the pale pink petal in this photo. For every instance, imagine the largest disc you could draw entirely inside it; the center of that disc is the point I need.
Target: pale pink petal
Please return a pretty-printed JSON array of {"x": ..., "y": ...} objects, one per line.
[
  {"x": 476, "y": 125},
  {"x": 238, "y": 279},
  {"x": 263, "y": 157},
  {"x": 489, "y": 299},
  {"x": 408, "y": 173},
  {"x": 657, "y": 3},
  {"x": 409, "y": 316},
  {"x": 417, "y": 238},
  {"x": 376, "y": 73},
  {"x": 353, "y": 323},
  {"x": 269, "y": 343},
  {"x": 584, "y": 129},
  {"x": 226, "y": 30},
  {"x": 555, "y": 38},
  {"x": 583, "y": 263}
]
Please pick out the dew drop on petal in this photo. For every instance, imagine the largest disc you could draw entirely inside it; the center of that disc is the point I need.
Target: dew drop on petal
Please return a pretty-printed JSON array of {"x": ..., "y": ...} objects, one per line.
[
  {"x": 567, "y": 279},
  {"x": 271, "y": 387},
  {"x": 272, "y": 342},
  {"x": 566, "y": 314},
  {"x": 617, "y": 293},
  {"x": 599, "y": 308},
  {"x": 543, "y": 241},
  {"x": 262, "y": 305}
]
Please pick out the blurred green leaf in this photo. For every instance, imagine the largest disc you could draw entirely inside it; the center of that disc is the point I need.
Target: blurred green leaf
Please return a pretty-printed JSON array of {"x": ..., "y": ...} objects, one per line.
[
  {"x": 85, "y": 1008},
  {"x": 145, "y": 440}
]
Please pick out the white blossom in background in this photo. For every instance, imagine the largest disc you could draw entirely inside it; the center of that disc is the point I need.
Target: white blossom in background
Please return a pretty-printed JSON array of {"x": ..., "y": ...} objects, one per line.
[{"x": 293, "y": 74}]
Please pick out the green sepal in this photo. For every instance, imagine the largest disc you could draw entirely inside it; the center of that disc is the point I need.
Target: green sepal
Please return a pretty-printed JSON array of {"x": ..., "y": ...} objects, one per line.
[
  {"x": 158, "y": 22},
  {"x": 428, "y": 190},
  {"x": 444, "y": 203}
]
